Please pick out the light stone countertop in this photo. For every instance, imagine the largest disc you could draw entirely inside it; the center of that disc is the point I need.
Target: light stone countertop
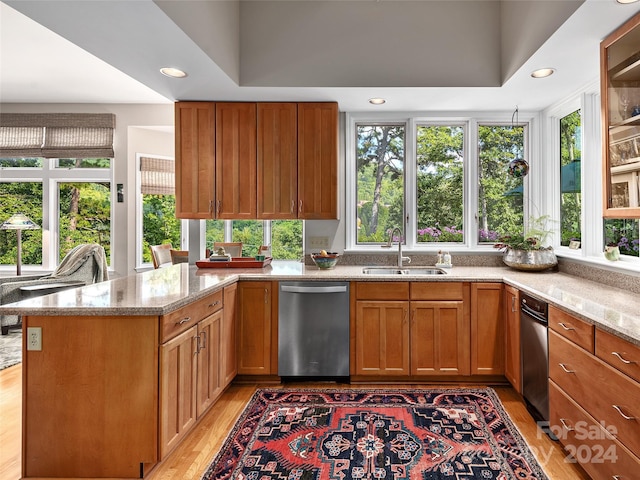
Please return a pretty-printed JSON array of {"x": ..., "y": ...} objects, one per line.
[{"x": 161, "y": 291}]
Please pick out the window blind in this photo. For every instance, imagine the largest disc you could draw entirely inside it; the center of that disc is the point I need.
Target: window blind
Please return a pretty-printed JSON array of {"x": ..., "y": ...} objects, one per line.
[
  {"x": 157, "y": 176},
  {"x": 57, "y": 135}
]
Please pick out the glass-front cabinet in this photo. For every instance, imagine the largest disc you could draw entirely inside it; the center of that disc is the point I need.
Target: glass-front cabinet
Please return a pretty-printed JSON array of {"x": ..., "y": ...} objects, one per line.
[{"x": 620, "y": 83}]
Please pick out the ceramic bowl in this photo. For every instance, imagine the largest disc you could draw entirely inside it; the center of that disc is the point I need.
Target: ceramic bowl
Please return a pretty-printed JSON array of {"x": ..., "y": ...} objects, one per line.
[{"x": 325, "y": 262}]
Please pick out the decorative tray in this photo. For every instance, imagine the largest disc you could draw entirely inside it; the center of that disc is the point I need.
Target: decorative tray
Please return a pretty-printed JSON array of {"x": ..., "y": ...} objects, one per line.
[{"x": 235, "y": 262}]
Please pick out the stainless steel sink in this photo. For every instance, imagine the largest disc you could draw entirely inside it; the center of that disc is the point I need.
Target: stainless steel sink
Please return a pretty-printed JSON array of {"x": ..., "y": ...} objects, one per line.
[{"x": 403, "y": 271}]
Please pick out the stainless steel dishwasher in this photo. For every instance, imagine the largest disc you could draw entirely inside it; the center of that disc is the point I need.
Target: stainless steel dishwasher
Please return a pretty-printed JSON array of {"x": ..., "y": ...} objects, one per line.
[
  {"x": 313, "y": 329},
  {"x": 534, "y": 355}
]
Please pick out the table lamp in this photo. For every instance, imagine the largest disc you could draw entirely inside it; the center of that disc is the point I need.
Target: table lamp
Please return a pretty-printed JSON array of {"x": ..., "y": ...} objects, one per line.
[{"x": 19, "y": 222}]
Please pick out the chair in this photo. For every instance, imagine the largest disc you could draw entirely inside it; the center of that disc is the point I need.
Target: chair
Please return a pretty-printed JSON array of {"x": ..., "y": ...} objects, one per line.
[
  {"x": 232, "y": 248},
  {"x": 85, "y": 263},
  {"x": 179, "y": 256},
  {"x": 161, "y": 255}
]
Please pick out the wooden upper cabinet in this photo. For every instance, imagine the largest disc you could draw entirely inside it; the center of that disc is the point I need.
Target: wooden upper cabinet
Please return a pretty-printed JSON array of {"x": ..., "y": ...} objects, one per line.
[
  {"x": 620, "y": 97},
  {"x": 235, "y": 160},
  {"x": 277, "y": 166},
  {"x": 195, "y": 159},
  {"x": 318, "y": 160}
]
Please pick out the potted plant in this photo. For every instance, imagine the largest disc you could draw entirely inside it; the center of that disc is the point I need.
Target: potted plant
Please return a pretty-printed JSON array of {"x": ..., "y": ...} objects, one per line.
[{"x": 528, "y": 250}]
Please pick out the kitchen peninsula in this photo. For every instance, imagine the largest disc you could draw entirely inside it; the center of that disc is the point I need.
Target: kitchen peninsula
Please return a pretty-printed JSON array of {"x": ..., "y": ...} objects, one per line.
[{"x": 106, "y": 396}]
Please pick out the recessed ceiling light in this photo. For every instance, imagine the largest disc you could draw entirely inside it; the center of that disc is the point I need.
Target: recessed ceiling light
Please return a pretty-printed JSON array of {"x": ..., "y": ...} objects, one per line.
[
  {"x": 624, "y": 2},
  {"x": 377, "y": 101},
  {"x": 173, "y": 72},
  {"x": 542, "y": 72}
]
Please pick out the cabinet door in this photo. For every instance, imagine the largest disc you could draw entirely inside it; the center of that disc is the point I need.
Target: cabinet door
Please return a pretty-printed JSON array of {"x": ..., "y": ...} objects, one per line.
[
  {"x": 195, "y": 159},
  {"x": 209, "y": 379},
  {"x": 512, "y": 369},
  {"x": 235, "y": 160},
  {"x": 178, "y": 366},
  {"x": 254, "y": 328},
  {"x": 487, "y": 329},
  {"x": 439, "y": 339},
  {"x": 277, "y": 166},
  {"x": 620, "y": 87},
  {"x": 318, "y": 160},
  {"x": 382, "y": 338},
  {"x": 228, "y": 350}
]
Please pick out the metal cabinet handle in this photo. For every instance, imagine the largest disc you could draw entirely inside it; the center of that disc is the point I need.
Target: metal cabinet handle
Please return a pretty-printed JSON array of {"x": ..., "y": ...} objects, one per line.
[
  {"x": 564, "y": 424},
  {"x": 183, "y": 321},
  {"x": 513, "y": 304},
  {"x": 300, "y": 206},
  {"x": 211, "y": 206},
  {"x": 622, "y": 359},
  {"x": 204, "y": 341},
  {"x": 616, "y": 477},
  {"x": 266, "y": 296},
  {"x": 565, "y": 368},
  {"x": 619, "y": 410},
  {"x": 218, "y": 206},
  {"x": 214, "y": 304},
  {"x": 197, "y": 342},
  {"x": 293, "y": 205},
  {"x": 565, "y": 327}
]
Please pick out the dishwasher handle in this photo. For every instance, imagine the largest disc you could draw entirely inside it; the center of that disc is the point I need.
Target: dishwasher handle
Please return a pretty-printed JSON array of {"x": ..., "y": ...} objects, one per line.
[
  {"x": 324, "y": 289},
  {"x": 524, "y": 309}
]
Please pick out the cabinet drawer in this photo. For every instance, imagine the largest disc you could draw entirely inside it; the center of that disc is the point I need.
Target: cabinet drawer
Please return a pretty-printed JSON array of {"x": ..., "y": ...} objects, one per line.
[
  {"x": 576, "y": 330},
  {"x": 183, "y": 318},
  {"x": 601, "y": 390},
  {"x": 586, "y": 441},
  {"x": 436, "y": 291},
  {"x": 618, "y": 353},
  {"x": 382, "y": 291}
]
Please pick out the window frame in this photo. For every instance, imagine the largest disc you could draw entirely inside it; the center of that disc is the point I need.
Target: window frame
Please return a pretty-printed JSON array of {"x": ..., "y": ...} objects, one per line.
[
  {"x": 51, "y": 176},
  {"x": 470, "y": 122}
]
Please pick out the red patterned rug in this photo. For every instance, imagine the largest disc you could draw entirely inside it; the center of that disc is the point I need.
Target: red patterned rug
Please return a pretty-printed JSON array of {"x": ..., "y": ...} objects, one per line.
[{"x": 418, "y": 434}]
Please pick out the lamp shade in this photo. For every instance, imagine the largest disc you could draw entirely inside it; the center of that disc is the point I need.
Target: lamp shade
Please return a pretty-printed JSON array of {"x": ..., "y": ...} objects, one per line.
[{"x": 19, "y": 221}]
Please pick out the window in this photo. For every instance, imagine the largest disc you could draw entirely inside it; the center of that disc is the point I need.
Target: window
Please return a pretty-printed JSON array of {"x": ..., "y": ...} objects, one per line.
[
  {"x": 284, "y": 236},
  {"x": 440, "y": 183},
  {"x": 158, "y": 205},
  {"x": 26, "y": 198},
  {"x": 380, "y": 181},
  {"x": 71, "y": 204},
  {"x": 570, "y": 178},
  {"x": 622, "y": 233},
  {"x": 417, "y": 173},
  {"x": 500, "y": 189}
]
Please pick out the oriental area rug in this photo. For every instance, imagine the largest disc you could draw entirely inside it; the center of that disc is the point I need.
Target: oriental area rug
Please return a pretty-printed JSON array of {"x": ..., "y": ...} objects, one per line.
[
  {"x": 417, "y": 434},
  {"x": 10, "y": 349}
]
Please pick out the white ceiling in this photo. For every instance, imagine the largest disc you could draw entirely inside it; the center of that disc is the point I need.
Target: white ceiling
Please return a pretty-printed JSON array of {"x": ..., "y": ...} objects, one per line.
[{"x": 411, "y": 53}]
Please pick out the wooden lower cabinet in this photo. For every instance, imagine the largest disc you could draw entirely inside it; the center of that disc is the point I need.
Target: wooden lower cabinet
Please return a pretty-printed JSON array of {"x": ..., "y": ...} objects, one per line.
[
  {"x": 512, "y": 367},
  {"x": 588, "y": 392},
  {"x": 178, "y": 370},
  {"x": 487, "y": 329},
  {"x": 257, "y": 332},
  {"x": 382, "y": 338},
  {"x": 412, "y": 329},
  {"x": 209, "y": 385},
  {"x": 439, "y": 338},
  {"x": 587, "y": 441}
]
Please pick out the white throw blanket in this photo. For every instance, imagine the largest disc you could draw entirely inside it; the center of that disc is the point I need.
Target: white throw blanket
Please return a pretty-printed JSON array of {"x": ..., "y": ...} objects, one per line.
[{"x": 76, "y": 258}]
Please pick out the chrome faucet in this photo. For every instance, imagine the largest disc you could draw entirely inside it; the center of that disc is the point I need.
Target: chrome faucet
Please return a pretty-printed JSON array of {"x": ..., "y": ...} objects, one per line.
[{"x": 390, "y": 241}]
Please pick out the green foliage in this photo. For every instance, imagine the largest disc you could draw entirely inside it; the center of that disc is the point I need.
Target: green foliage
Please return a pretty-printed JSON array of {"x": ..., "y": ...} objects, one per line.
[
  {"x": 570, "y": 202},
  {"x": 534, "y": 237},
  {"x": 23, "y": 198},
  {"x": 286, "y": 239},
  {"x": 500, "y": 206},
  {"x": 159, "y": 223}
]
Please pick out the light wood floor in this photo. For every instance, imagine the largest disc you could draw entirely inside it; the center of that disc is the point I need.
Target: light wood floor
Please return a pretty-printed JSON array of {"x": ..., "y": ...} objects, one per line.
[{"x": 192, "y": 457}]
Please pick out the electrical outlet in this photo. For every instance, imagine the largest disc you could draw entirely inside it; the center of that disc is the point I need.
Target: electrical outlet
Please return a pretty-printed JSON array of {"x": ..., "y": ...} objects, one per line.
[
  {"x": 319, "y": 242},
  {"x": 34, "y": 338}
]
